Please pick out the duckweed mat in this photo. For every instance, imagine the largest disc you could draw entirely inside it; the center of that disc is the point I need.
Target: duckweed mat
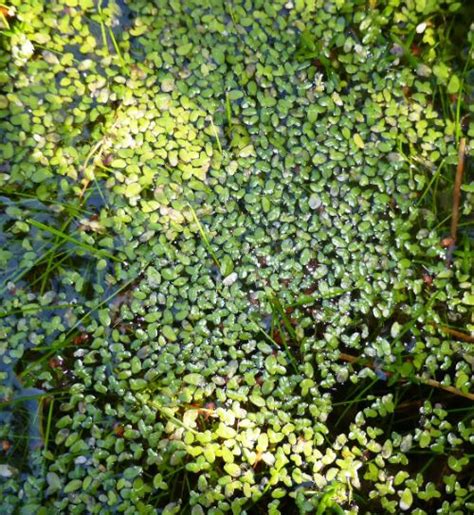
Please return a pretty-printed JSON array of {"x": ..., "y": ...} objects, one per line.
[{"x": 232, "y": 277}]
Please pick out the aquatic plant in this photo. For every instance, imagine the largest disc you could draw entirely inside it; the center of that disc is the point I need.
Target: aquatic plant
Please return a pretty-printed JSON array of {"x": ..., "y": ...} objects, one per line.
[{"x": 229, "y": 281}]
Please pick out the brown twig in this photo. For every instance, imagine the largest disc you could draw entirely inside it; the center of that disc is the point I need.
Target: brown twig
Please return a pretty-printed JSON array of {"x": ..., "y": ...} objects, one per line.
[
  {"x": 430, "y": 382},
  {"x": 450, "y": 389},
  {"x": 349, "y": 358},
  {"x": 409, "y": 405},
  {"x": 456, "y": 200},
  {"x": 458, "y": 334}
]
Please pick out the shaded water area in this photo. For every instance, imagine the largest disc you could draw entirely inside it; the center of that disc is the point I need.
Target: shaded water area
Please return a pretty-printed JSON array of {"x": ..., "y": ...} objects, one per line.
[{"x": 229, "y": 280}]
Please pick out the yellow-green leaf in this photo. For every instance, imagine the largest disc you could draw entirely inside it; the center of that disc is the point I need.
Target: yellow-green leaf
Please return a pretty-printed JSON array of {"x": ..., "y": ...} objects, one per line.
[{"x": 358, "y": 140}]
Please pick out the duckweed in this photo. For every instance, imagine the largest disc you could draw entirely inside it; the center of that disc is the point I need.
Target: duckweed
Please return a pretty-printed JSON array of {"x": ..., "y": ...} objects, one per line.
[{"x": 223, "y": 265}]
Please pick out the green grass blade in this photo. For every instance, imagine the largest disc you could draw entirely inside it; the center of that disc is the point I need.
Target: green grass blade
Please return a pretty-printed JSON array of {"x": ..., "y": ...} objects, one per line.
[
  {"x": 34, "y": 309},
  {"x": 307, "y": 300},
  {"x": 48, "y": 424},
  {"x": 216, "y": 135},
  {"x": 204, "y": 237},
  {"x": 117, "y": 48},
  {"x": 70, "y": 239}
]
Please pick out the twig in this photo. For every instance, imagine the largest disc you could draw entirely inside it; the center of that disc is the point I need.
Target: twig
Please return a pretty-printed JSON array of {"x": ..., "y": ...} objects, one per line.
[
  {"x": 451, "y": 389},
  {"x": 458, "y": 334},
  {"x": 349, "y": 358},
  {"x": 456, "y": 200},
  {"x": 430, "y": 382},
  {"x": 409, "y": 404}
]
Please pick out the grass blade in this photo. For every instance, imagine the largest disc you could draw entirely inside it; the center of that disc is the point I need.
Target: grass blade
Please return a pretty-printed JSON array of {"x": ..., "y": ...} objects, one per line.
[
  {"x": 204, "y": 237},
  {"x": 70, "y": 239}
]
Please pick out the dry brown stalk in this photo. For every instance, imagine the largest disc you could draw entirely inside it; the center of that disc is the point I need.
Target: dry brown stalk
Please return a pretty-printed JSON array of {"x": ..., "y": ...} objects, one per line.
[
  {"x": 456, "y": 200},
  {"x": 430, "y": 382}
]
